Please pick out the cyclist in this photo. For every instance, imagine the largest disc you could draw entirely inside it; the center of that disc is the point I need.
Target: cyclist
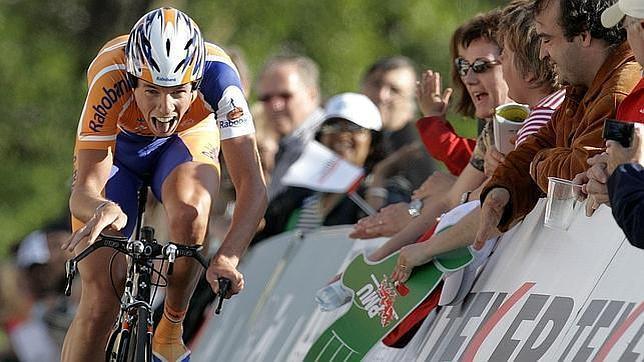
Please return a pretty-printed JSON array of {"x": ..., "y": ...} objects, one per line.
[{"x": 159, "y": 102}]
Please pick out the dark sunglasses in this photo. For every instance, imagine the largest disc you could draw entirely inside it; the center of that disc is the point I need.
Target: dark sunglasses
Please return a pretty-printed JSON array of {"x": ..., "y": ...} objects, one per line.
[
  {"x": 267, "y": 97},
  {"x": 340, "y": 125},
  {"x": 479, "y": 65}
]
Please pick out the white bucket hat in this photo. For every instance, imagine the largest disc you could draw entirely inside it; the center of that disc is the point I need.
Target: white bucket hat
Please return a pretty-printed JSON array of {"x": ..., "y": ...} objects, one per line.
[
  {"x": 614, "y": 14},
  {"x": 356, "y": 108}
]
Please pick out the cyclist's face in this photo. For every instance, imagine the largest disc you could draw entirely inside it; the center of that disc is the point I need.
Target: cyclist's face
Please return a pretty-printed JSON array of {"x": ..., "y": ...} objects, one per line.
[{"x": 163, "y": 107}]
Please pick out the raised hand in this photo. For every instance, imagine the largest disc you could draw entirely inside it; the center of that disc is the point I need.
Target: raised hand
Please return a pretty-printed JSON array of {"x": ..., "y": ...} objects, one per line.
[{"x": 432, "y": 100}]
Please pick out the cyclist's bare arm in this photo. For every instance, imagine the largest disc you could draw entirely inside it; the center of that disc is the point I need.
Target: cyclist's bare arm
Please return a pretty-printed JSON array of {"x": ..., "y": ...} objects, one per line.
[
  {"x": 242, "y": 160},
  {"x": 87, "y": 203}
]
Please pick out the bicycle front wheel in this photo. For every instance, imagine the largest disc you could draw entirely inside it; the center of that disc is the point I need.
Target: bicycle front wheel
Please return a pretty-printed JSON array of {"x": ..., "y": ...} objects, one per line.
[
  {"x": 143, "y": 337},
  {"x": 118, "y": 346}
]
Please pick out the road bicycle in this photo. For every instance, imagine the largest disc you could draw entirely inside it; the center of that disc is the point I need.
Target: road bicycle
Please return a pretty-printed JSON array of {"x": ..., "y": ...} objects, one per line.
[{"x": 131, "y": 337}]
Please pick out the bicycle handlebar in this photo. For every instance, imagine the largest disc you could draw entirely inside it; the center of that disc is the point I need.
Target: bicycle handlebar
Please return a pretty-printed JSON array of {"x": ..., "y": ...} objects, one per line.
[{"x": 140, "y": 250}]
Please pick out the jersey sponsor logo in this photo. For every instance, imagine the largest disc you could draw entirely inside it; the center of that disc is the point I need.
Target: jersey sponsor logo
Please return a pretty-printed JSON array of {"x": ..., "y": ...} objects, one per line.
[
  {"x": 233, "y": 123},
  {"x": 236, "y": 113},
  {"x": 110, "y": 97}
]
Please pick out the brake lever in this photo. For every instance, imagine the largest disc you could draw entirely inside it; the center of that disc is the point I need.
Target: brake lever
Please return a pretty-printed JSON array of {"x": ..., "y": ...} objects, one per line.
[
  {"x": 224, "y": 286},
  {"x": 70, "y": 272}
]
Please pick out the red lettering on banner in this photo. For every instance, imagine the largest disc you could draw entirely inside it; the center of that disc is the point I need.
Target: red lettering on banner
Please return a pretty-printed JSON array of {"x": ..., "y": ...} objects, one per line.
[
  {"x": 612, "y": 340},
  {"x": 485, "y": 330}
]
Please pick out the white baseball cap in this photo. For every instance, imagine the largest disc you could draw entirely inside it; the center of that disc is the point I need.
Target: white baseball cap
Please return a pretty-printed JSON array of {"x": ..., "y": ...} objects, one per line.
[
  {"x": 614, "y": 14},
  {"x": 354, "y": 107},
  {"x": 33, "y": 249}
]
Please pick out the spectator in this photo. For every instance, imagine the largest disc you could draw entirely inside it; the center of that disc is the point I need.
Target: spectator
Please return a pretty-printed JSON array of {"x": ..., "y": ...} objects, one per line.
[
  {"x": 346, "y": 131},
  {"x": 289, "y": 89},
  {"x": 33, "y": 309},
  {"x": 626, "y": 186},
  {"x": 485, "y": 90},
  {"x": 624, "y": 165},
  {"x": 530, "y": 81},
  {"x": 599, "y": 67},
  {"x": 390, "y": 84}
]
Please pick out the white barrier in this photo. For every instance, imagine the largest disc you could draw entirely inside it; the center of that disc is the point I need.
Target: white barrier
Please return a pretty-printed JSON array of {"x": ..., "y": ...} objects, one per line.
[{"x": 544, "y": 295}]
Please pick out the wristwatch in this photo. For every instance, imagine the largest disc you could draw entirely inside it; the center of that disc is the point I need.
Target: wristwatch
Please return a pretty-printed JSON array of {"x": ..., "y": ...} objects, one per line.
[{"x": 414, "y": 207}]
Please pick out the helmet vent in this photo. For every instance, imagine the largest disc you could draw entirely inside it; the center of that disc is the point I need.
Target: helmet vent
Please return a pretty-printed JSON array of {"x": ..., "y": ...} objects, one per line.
[
  {"x": 179, "y": 65},
  {"x": 163, "y": 40}
]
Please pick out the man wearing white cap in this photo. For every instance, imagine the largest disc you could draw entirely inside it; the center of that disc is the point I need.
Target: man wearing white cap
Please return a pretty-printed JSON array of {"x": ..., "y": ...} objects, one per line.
[{"x": 631, "y": 15}]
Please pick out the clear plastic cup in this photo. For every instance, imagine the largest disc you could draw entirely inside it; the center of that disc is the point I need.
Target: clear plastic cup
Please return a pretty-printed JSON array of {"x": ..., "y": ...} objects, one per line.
[
  {"x": 563, "y": 199},
  {"x": 333, "y": 296}
]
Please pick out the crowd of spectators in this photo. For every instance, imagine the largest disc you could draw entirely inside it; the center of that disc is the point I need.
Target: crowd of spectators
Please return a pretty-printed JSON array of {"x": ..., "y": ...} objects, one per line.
[{"x": 34, "y": 314}]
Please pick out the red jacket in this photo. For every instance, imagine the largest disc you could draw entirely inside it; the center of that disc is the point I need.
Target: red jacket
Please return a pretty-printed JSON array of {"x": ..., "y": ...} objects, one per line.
[
  {"x": 442, "y": 143},
  {"x": 632, "y": 108}
]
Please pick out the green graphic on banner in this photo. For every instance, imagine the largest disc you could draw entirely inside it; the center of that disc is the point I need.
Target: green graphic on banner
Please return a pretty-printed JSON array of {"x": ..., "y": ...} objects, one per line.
[{"x": 377, "y": 305}]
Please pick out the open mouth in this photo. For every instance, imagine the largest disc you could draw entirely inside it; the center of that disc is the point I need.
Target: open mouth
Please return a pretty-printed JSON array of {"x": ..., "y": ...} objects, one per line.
[
  {"x": 165, "y": 124},
  {"x": 479, "y": 96}
]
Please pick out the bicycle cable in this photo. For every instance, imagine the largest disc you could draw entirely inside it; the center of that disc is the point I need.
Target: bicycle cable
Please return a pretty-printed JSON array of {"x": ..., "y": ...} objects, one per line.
[
  {"x": 116, "y": 293},
  {"x": 159, "y": 277},
  {"x": 159, "y": 272}
]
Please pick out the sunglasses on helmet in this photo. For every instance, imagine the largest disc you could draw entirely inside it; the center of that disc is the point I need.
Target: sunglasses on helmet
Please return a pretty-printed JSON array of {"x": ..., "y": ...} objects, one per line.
[{"x": 479, "y": 65}]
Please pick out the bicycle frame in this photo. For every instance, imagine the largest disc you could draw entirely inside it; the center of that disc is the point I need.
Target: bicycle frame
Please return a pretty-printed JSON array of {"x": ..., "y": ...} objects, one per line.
[{"x": 131, "y": 338}]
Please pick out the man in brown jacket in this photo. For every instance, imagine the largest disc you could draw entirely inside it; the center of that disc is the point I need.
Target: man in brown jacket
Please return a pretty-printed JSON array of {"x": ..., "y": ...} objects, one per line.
[{"x": 600, "y": 68}]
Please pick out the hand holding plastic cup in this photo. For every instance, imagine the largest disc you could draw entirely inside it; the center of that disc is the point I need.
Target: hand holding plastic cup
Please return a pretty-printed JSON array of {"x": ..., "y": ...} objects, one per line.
[{"x": 563, "y": 199}]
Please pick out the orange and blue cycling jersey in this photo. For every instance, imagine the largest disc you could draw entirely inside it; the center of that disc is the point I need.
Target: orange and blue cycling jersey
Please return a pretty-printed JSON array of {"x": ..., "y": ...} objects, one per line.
[
  {"x": 110, "y": 107},
  {"x": 111, "y": 120}
]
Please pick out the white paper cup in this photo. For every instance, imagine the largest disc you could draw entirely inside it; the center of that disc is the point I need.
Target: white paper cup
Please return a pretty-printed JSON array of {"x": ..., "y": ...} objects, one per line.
[
  {"x": 561, "y": 203},
  {"x": 513, "y": 112}
]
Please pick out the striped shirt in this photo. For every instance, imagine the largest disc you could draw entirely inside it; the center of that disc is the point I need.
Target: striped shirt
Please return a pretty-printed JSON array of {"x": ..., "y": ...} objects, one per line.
[
  {"x": 311, "y": 216},
  {"x": 540, "y": 114}
]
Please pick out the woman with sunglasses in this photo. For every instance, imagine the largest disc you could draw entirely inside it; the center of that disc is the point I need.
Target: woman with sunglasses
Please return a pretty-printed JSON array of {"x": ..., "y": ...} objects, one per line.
[{"x": 478, "y": 80}]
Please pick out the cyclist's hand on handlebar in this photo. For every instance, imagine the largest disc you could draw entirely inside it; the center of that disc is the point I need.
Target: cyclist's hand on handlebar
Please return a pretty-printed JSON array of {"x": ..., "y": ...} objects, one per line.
[
  {"x": 223, "y": 267},
  {"x": 109, "y": 216}
]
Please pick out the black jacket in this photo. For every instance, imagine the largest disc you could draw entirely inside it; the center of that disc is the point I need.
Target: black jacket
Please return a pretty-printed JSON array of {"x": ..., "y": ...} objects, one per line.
[{"x": 626, "y": 193}]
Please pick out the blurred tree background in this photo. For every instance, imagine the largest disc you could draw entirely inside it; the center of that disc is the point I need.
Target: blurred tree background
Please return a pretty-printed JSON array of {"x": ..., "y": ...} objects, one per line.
[{"x": 46, "y": 47}]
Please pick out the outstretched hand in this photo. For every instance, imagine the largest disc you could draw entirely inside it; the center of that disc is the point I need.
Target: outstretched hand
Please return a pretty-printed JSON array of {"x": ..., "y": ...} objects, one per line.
[
  {"x": 107, "y": 216},
  {"x": 491, "y": 213},
  {"x": 410, "y": 257},
  {"x": 387, "y": 222},
  {"x": 431, "y": 99}
]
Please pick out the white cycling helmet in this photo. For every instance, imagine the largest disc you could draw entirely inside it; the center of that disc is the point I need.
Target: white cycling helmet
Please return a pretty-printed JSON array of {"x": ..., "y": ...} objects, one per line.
[{"x": 165, "y": 48}]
